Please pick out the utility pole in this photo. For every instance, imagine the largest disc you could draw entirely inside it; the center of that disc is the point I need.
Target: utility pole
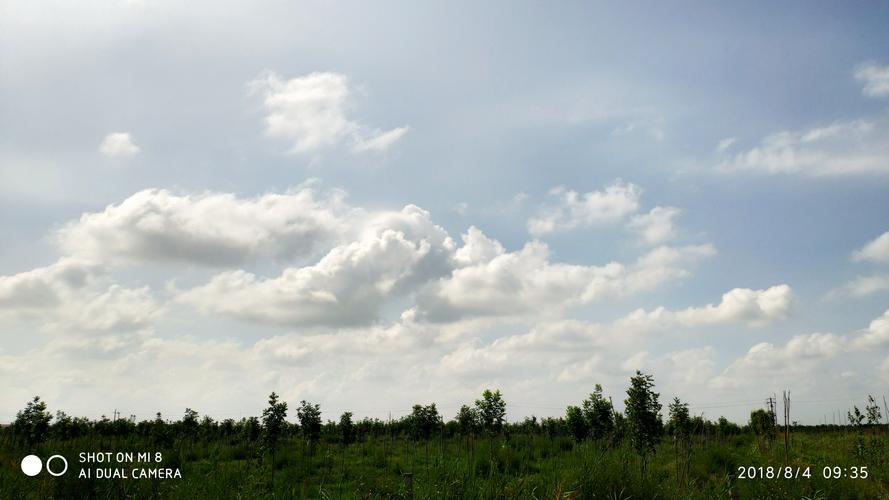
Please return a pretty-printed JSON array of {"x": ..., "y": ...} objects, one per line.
[
  {"x": 787, "y": 423},
  {"x": 770, "y": 404}
]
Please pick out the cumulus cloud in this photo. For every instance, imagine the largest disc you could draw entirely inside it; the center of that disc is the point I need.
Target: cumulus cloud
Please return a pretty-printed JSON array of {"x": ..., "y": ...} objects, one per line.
[
  {"x": 72, "y": 295},
  {"x": 347, "y": 286},
  {"x": 875, "y": 251},
  {"x": 801, "y": 355},
  {"x": 575, "y": 210},
  {"x": 656, "y": 226},
  {"x": 876, "y": 333},
  {"x": 842, "y": 148},
  {"x": 684, "y": 367},
  {"x": 312, "y": 111},
  {"x": 118, "y": 145},
  {"x": 737, "y": 305},
  {"x": 569, "y": 350},
  {"x": 44, "y": 287},
  {"x": 875, "y": 78},
  {"x": 213, "y": 229},
  {"x": 526, "y": 281}
]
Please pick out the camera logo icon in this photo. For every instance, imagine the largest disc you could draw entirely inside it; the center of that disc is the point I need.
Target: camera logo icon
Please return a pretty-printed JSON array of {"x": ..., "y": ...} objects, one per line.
[{"x": 32, "y": 465}]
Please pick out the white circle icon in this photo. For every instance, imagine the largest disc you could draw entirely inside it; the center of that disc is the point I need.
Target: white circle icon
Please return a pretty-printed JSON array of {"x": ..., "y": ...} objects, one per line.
[
  {"x": 32, "y": 465},
  {"x": 52, "y": 472}
]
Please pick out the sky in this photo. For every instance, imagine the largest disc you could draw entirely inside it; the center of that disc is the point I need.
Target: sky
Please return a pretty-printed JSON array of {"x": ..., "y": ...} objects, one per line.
[{"x": 374, "y": 205}]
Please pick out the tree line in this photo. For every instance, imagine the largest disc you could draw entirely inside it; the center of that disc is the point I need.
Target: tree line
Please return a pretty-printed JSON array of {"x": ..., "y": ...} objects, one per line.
[{"x": 642, "y": 424}]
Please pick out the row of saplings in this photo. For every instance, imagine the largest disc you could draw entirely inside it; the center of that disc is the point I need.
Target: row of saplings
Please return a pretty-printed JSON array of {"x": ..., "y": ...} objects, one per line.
[{"x": 595, "y": 419}]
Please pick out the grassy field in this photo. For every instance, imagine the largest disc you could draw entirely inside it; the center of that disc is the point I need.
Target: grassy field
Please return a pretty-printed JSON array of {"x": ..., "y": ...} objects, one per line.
[{"x": 219, "y": 460}]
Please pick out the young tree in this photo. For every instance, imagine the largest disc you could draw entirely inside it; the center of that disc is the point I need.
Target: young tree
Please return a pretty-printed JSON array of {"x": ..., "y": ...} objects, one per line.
[
  {"x": 643, "y": 415},
  {"x": 64, "y": 427},
  {"x": 680, "y": 429},
  {"x": 872, "y": 410},
  {"x": 856, "y": 418},
  {"x": 250, "y": 429},
  {"x": 597, "y": 412},
  {"x": 763, "y": 424},
  {"x": 423, "y": 421},
  {"x": 309, "y": 416},
  {"x": 491, "y": 410},
  {"x": 347, "y": 428},
  {"x": 32, "y": 422},
  {"x": 680, "y": 423},
  {"x": 273, "y": 423},
  {"x": 552, "y": 426},
  {"x": 189, "y": 423},
  {"x": 467, "y": 420},
  {"x": 576, "y": 423}
]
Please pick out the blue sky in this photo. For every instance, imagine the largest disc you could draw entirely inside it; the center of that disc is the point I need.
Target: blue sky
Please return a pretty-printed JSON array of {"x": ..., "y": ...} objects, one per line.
[{"x": 214, "y": 194}]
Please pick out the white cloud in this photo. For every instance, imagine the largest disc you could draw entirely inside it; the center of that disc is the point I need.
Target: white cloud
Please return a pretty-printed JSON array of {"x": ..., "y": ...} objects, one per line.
[
  {"x": 381, "y": 140},
  {"x": 800, "y": 357},
  {"x": 579, "y": 210},
  {"x": 843, "y": 148},
  {"x": 311, "y": 111},
  {"x": 863, "y": 285},
  {"x": 526, "y": 282},
  {"x": 347, "y": 286},
  {"x": 118, "y": 145},
  {"x": 737, "y": 305},
  {"x": 656, "y": 226},
  {"x": 209, "y": 228},
  {"x": 45, "y": 286},
  {"x": 875, "y": 78},
  {"x": 71, "y": 295},
  {"x": 876, "y": 333},
  {"x": 875, "y": 251},
  {"x": 683, "y": 367}
]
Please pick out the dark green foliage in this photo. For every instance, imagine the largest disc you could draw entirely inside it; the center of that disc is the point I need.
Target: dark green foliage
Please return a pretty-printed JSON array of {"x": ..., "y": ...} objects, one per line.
[
  {"x": 424, "y": 421},
  {"x": 32, "y": 423},
  {"x": 763, "y": 423},
  {"x": 309, "y": 416},
  {"x": 727, "y": 428},
  {"x": 679, "y": 425},
  {"x": 855, "y": 416},
  {"x": 491, "y": 410},
  {"x": 347, "y": 428},
  {"x": 872, "y": 410},
  {"x": 189, "y": 423},
  {"x": 273, "y": 424},
  {"x": 527, "y": 459},
  {"x": 576, "y": 423},
  {"x": 598, "y": 413},
  {"x": 467, "y": 420},
  {"x": 532, "y": 464},
  {"x": 644, "y": 425}
]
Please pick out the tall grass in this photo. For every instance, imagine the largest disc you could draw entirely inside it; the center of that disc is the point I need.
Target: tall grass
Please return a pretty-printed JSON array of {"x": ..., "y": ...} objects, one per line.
[{"x": 517, "y": 466}]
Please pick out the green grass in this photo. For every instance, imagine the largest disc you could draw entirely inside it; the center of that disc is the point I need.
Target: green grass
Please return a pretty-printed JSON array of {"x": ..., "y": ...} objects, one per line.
[{"x": 522, "y": 467}]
